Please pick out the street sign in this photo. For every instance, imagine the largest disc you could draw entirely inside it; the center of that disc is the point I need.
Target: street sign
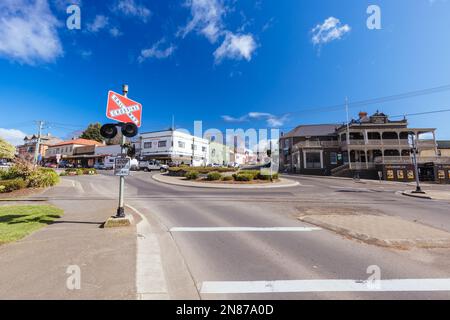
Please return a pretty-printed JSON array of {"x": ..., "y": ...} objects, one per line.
[
  {"x": 123, "y": 109},
  {"x": 122, "y": 166}
]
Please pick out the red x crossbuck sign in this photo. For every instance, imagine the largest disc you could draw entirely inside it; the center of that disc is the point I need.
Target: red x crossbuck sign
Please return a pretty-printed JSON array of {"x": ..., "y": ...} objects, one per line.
[{"x": 123, "y": 109}]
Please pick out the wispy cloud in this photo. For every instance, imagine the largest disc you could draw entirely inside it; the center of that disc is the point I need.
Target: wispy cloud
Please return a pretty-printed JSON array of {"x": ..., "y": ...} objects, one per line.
[
  {"x": 157, "y": 51},
  {"x": 132, "y": 9},
  {"x": 207, "y": 20},
  {"x": 236, "y": 46},
  {"x": 13, "y": 136},
  {"x": 100, "y": 22},
  {"x": 271, "y": 120},
  {"x": 28, "y": 32},
  {"x": 331, "y": 29},
  {"x": 115, "y": 32}
]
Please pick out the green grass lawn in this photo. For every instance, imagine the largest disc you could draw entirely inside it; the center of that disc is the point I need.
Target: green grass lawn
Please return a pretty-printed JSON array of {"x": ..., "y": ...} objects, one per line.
[{"x": 17, "y": 222}]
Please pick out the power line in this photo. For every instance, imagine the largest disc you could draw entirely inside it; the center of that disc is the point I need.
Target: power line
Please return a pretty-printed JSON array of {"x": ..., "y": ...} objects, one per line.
[
  {"x": 366, "y": 102},
  {"x": 421, "y": 113}
]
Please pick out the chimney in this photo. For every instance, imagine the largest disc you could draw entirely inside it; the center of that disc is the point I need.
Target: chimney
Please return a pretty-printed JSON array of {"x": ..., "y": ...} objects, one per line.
[{"x": 362, "y": 115}]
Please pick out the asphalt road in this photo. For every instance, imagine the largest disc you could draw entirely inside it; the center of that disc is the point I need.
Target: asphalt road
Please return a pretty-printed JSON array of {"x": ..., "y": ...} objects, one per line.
[{"x": 231, "y": 260}]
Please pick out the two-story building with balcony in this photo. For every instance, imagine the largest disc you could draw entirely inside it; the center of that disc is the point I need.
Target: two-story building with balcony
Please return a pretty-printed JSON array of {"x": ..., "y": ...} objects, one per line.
[{"x": 370, "y": 147}]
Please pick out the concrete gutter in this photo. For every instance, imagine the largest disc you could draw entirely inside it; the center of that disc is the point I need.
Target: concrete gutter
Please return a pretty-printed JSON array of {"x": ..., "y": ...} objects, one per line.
[{"x": 284, "y": 183}]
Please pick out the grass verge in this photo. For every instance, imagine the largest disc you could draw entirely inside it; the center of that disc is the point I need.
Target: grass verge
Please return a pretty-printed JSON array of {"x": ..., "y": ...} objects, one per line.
[{"x": 16, "y": 222}]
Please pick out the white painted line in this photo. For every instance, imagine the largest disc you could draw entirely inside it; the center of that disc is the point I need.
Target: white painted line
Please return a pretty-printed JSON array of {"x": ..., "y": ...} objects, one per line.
[
  {"x": 150, "y": 280},
  {"x": 243, "y": 229},
  {"x": 296, "y": 286}
]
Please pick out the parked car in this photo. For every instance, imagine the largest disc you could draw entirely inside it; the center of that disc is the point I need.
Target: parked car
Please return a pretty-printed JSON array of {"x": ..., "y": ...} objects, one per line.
[
  {"x": 152, "y": 166},
  {"x": 99, "y": 166},
  {"x": 50, "y": 165},
  {"x": 234, "y": 165},
  {"x": 65, "y": 164}
]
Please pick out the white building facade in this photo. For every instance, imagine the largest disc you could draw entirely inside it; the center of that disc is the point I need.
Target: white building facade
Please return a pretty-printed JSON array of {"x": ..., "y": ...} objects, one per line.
[{"x": 176, "y": 147}]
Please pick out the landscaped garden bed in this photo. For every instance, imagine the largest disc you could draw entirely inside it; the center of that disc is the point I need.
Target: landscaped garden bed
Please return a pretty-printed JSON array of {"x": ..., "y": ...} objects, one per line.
[
  {"x": 79, "y": 172},
  {"x": 24, "y": 175},
  {"x": 233, "y": 177}
]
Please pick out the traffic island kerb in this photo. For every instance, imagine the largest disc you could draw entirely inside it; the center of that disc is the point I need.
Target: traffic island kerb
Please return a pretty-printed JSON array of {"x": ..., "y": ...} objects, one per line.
[{"x": 114, "y": 222}]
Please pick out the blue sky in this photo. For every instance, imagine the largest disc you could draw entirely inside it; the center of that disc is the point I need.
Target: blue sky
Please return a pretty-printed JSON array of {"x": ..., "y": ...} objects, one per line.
[{"x": 229, "y": 63}]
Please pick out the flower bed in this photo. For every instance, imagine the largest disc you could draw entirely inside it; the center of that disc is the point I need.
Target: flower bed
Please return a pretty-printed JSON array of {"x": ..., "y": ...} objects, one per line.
[{"x": 241, "y": 177}]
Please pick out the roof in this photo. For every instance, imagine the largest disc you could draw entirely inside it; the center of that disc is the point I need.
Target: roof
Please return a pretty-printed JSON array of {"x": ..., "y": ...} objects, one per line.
[
  {"x": 317, "y": 130},
  {"x": 80, "y": 141},
  {"x": 443, "y": 144}
]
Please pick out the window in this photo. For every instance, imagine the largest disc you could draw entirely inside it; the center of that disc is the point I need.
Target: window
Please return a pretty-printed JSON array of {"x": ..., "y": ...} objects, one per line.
[
  {"x": 333, "y": 158},
  {"x": 203, "y": 149},
  {"x": 147, "y": 145},
  {"x": 313, "y": 160},
  {"x": 162, "y": 144},
  {"x": 181, "y": 144},
  {"x": 213, "y": 152},
  {"x": 194, "y": 147}
]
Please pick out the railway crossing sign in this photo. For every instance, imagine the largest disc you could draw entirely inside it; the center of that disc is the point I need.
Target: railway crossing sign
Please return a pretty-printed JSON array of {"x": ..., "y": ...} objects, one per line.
[{"x": 123, "y": 109}]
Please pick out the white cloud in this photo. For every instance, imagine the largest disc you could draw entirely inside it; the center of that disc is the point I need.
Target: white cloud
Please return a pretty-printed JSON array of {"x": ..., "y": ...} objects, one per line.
[
  {"x": 63, "y": 4},
  {"x": 13, "y": 136},
  {"x": 28, "y": 32},
  {"x": 271, "y": 120},
  {"x": 132, "y": 9},
  {"x": 206, "y": 18},
  {"x": 86, "y": 54},
  {"x": 156, "y": 51},
  {"x": 236, "y": 46},
  {"x": 115, "y": 32},
  {"x": 331, "y": 29},
  {"x": 100, "y": 22}
]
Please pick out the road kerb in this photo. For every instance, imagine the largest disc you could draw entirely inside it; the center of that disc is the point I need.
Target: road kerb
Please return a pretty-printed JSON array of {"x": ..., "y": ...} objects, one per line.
[
  {"x": 285, "y": 183},
  {"x": 150, "y": 279}
]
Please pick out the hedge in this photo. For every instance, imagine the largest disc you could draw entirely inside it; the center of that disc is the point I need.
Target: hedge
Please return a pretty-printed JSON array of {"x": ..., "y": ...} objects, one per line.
[
  {"x": 181, "y": 171},
  {"x": 42, "y": 178},
  {"x": 243, "y": 177},
  {"x": 12, "y": 184},
  {"x": 191, "y": 175},
  {"x": 214, "y": 176},
  {"x": 227, "y": 178}
]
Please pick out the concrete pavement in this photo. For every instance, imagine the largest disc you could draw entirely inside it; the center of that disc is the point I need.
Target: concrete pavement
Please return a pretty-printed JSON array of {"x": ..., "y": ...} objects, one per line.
[{"x": 237, "y": 243}]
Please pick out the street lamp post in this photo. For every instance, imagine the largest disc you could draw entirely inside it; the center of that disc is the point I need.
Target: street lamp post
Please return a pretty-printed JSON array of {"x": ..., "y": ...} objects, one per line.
[{"x": 416, "y": 167}]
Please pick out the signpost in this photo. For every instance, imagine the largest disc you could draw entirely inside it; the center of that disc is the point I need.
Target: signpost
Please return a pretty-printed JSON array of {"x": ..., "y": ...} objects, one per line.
[{"x": 129, "y": 114}]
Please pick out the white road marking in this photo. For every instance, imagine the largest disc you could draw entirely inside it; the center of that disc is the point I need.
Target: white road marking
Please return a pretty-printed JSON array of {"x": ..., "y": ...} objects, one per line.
[
  {"x": 299, "y": 286},
  {"x": 150, "y": 280},
  {"x": 244, "y": 229}
]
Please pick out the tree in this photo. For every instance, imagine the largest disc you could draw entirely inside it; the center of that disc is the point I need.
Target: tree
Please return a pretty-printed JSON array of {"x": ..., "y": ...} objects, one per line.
[
  {"x": 7, "y": 150},
  {"x": 93, "y": 132}
]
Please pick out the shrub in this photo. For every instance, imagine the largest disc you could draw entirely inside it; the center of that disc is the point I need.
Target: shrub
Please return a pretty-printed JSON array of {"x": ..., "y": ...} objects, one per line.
[
  {"x": 191, "y": 175},
  {"x": 253, "y": 173},
  {"x": 20, "y": 170},
  {"x": 12, "y": 184},
  {"x": 227, "y": 178},
  {"x": 214, "y": 176},
  {"x": 63, "y": 174},
  {"x": 275, "y": 176},
  {"x": 79, "y": 172},
  {"x": 90, "y": 171},
  {"x": 42, "y": 179},
  {"x": 243, "y": 177}
]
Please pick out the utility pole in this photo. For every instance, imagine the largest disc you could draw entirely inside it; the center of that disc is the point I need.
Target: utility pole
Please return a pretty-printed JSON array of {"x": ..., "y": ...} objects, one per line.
[
  {"x": 348, "y": 134},
  {"x": 121, "y": 209},
  {"x": 416, "y": 166},
  {"x": 38, "y": 143}
]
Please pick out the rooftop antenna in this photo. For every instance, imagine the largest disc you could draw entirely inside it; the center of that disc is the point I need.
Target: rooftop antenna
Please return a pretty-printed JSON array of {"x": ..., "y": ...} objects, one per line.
[{"x": 173, "y": 123}]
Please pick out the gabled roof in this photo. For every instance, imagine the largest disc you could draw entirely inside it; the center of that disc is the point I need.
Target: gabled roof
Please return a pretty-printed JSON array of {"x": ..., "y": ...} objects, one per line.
[
  {"x": 79, "y": 141},
  {"x": 316, "y": 130}
]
